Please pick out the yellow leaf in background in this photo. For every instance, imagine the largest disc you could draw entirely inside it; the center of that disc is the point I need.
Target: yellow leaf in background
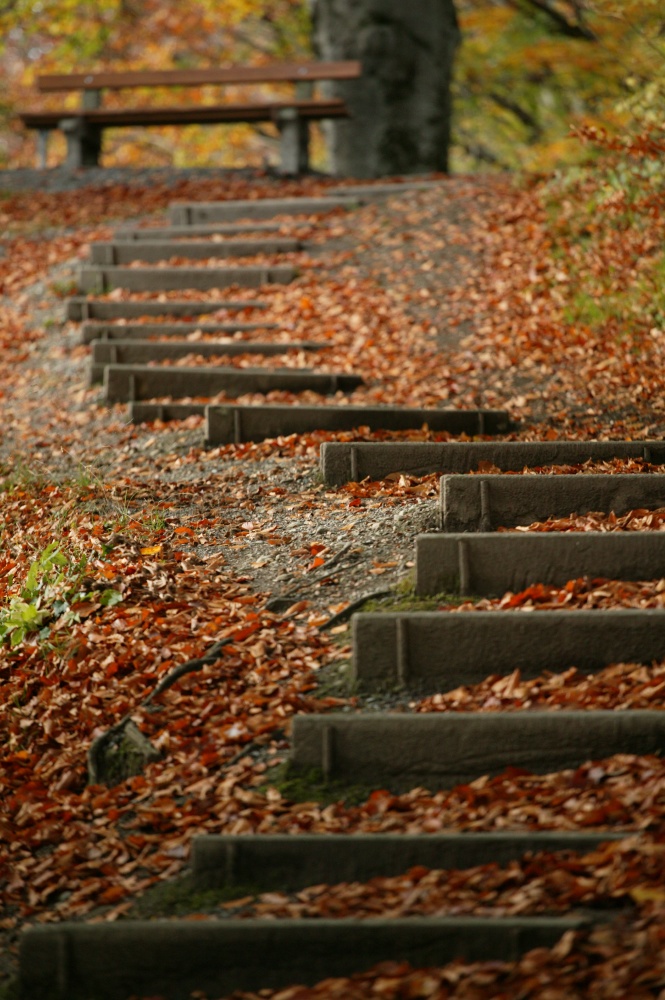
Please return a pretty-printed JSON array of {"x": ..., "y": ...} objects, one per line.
[
  {"x": 151, "y": 550},
  {"x": 647, "y": 895}
]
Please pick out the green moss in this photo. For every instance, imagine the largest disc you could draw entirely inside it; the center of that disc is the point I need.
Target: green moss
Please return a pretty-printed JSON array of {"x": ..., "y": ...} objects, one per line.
[
  {"x": 311, "y": 786},
  {"x": 182, "y": 896},
  {"x": 9, "y": 990}
]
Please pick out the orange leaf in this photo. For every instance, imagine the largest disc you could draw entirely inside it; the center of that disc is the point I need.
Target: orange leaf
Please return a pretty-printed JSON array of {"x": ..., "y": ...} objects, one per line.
[{"x": 152, "y": 550}]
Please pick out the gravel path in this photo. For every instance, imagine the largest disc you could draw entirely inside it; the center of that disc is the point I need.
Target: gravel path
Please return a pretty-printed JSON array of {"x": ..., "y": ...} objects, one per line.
[{"x": 272, "y": 508}]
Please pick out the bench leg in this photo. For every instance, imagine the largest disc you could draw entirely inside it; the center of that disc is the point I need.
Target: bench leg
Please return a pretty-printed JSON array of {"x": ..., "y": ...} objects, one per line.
[
  {"x": 84, "y": 143},
  {"x": 42, "y": 147},
  {"x": 293, "y": 142}
]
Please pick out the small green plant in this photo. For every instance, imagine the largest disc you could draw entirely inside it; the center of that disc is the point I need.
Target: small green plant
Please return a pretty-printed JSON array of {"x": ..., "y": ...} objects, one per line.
[
  {"x": 63, "y": 289},
  {"x": 49, "y": 590}
]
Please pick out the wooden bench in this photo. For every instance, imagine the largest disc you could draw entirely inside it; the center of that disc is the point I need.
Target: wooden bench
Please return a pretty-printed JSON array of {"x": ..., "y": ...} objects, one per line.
[{"x": 83, "y": 128}]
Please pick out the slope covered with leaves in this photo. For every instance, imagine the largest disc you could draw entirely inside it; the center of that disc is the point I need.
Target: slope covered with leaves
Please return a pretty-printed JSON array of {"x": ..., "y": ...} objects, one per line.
[{"x": 129, "y": 551}]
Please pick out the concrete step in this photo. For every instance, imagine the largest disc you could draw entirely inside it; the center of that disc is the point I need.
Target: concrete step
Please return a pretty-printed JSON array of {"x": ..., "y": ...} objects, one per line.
[
  {"x": 140, "y": 352},
  {"x": 438, "y": 651},
  {"x": 126, "y": 383},
  {"x": 401, "y": 751},
  {"x": 378, "y": 191},
  {"x": 173, "y": 958},
  {"x": 197, "y": 213},
  {"x": 283, "y": 862},
  {"x": 255, "y": 423},
  {"x": 97, "y": 280},
  {"x": 155, "y": 250},
  {"x": 145, "y": 413},
  {"x": 180, "y": 232},
  {"x": 83, "y": 308},
  {"x": 489, "y": 565},
  {"x": 485, "y": 503},
  {"x": 342, "y": 463},
  {"x": 144, "y": 331}
]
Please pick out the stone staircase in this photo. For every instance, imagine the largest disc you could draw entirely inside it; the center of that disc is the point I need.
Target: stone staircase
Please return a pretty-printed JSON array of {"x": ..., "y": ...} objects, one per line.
[{"x": 416, "y": 652}]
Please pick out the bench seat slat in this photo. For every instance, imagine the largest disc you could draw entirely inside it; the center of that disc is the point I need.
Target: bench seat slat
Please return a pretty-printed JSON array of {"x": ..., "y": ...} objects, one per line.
[
  {"x": 259, "y": 112},
  {"x": 293, "y": 72}
]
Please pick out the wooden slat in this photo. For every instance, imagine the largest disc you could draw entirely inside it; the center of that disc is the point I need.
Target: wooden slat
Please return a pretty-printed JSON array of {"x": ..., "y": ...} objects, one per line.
[
  {"x": 293, "y": 72},
  {"x": 211, "y": 114}
]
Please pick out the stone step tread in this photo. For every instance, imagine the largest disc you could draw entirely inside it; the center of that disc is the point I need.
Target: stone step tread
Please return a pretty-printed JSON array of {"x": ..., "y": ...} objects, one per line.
[
  {"x": 439, "y": 750},
  {"x": 96, "y": 330},
  {"x": 123, "y": 252},
  {"x": 112, "y": 961},
  {"x": 84, "y": 307},
  {"x": 487, "y": 564},
  {"x": 173, "y": 232},
  {"x": 100, "y": 279},
  {"x": 439, "y": 651},
  {"x": 128, "y": 352},
  {"x": 126, "y": 383},
  {"x": 344, "y": 462},
  {"x": 288, "y": 862},
  {"x": 233, "y": 424},
  {"x": 197, "y": 212},
  {"x": 487, "y": 502},
  {"x": 385, "y": 190}
]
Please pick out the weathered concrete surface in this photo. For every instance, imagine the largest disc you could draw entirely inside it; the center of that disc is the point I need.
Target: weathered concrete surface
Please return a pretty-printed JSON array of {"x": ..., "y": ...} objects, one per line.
[
  {"x": 439, "y": 651},
  {"x": 97, "y": 280},
  {"x": 83, "y": 308},
  {"x": 125, "y": 383},
  {"x": 246, "y": 423},
  {"x": 381, "y": 191},
  {"x": 492, "y": 564},
  {"x": 144, "y": 331},
  {"x": 171, "y": 959},
  {"x": 178, "y": 232},
  {"x": 145, "y": 413},
  {"x": 197, "y": 213},
  {"x": 154, "y": 250},
  {"x": 286, "y": 862},
  {"x": 440, "y": 750},
  {"x": 484, "y": 503},
  {"x": 400, "y": 109},
  {"x": 140, "y": 352},
  {"x": 341, "y": 462}
]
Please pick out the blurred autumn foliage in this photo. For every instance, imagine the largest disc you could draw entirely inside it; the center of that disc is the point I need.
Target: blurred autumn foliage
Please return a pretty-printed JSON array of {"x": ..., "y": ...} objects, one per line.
[
  {"x": 527, "y": 71},
  {"x": 60, "y": 36}
]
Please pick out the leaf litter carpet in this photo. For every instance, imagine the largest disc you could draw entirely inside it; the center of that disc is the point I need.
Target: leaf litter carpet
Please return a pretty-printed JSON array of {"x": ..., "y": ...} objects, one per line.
[{"x": 450, "y": 298}]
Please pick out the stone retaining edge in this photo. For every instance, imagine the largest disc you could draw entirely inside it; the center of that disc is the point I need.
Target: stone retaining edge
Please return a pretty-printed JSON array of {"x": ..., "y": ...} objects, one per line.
[
  {"x": 439, "y": 651},
  {"x": 140, "y": 352},
  {"x": 93, "y": 330},
  {"x": 126, "y": 383},
  {"x": 229, "y": 424},
  {"x": 484, "y": 503},
  {"x": 202, "y": 212},
  {"x": 489, "y": 565},
  {"x": 288, "y": 862},
  {"x": 81, "y": 307},
  {"x": 440, "y": 750},
  {"x": 150, "y": 251},
  {"x": 97, "y": 280},
  {"x": 346, "y": 462},
  {"x": 112, "y": 961}
]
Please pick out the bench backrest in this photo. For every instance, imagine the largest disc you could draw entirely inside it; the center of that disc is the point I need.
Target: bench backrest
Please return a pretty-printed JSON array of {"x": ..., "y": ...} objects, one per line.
[{"x": 293, "y": 72}]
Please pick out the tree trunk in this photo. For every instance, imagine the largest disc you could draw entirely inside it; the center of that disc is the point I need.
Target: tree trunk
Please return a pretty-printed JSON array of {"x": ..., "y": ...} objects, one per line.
[{"x": 400, "y": 107}]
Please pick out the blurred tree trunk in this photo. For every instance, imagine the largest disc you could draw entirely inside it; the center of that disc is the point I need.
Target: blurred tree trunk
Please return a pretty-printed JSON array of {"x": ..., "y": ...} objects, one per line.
[{"x": 401, "y": 107}]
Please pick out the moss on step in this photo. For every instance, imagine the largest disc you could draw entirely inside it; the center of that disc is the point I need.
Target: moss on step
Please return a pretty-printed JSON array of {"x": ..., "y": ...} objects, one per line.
[
  {"x": 311, "y": 786},
  {"x": 181, "y": 896}
]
